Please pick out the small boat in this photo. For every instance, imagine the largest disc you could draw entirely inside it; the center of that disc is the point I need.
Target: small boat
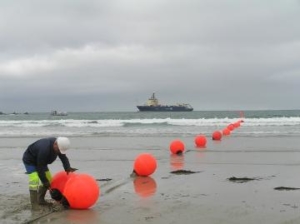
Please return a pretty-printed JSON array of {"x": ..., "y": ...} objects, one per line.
[
  {"x": 153, "y": 105},
  {"x": 57, "y": 113}
]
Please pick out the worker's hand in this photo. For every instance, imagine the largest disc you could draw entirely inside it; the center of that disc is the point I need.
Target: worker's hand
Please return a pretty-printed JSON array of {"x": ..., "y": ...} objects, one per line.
[{"x": 71, "y": 170}]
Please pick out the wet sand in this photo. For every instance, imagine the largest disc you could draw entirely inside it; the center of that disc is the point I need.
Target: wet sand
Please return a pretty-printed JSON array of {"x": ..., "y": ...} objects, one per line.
[{"x": 204, "y": 195}]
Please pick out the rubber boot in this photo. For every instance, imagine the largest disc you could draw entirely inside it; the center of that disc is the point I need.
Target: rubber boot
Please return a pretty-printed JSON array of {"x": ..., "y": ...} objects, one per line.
[
  {"x": 41, "y": 196},
  {"x": 34, "y": 200}
]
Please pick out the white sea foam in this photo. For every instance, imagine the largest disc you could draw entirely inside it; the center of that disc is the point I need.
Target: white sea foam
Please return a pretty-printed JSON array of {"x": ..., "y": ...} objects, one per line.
[
  {"x": 154, "y": 126},
  {"x": 293, "y": 121}
]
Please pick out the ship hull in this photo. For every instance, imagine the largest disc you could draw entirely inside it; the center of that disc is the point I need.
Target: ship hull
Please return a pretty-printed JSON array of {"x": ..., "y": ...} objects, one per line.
[{"x": 164, "y": 108}]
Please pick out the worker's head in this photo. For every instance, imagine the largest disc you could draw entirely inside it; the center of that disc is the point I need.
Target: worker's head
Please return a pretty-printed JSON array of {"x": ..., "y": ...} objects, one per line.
[{"x": 63, "y": 144}]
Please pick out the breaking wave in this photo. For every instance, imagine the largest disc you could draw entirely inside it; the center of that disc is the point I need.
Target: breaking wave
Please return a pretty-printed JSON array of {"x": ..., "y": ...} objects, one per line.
[{"x": 145, "y": 127}]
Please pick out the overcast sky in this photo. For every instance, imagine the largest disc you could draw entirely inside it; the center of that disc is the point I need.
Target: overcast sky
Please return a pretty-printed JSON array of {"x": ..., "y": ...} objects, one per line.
[{"x": 94, "y": 55}]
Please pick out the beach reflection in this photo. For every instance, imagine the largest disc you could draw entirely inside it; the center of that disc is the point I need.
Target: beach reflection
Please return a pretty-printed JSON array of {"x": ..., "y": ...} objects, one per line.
[
  {"x": 144, "y": 186},
  {"x": 82, "y": 216},
  {"x": 176, "y": 162},
  {"x": 200, "y": 148}
]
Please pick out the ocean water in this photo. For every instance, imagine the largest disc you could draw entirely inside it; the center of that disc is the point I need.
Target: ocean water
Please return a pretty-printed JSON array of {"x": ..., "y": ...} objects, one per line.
[
  {"x": 150, "y": 124},
  {"x": 105, "y": 145}
]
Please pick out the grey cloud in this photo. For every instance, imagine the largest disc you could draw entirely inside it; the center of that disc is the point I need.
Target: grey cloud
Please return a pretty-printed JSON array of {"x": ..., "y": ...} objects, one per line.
[{"x": 111, "y": 55}]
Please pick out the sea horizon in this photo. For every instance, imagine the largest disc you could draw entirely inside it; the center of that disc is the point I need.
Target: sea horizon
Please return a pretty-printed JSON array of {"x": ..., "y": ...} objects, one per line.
[
  {"x": 6, "y": 112},
  {"x": 256, "y": 122}
]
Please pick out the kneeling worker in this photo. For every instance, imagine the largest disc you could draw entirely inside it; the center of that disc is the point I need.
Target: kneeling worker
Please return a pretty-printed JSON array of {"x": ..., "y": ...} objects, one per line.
[{"x": 36, "y": 159}]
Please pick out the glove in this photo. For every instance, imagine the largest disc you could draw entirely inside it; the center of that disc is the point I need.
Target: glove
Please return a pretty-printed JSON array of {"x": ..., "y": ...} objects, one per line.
[
  {"x": 56, "y": 194},
  {"x": 71, "y": 170}
]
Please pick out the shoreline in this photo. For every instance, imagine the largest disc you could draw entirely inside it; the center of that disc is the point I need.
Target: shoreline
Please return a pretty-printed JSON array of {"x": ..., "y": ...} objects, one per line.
[{"x": 205, "y": 195}]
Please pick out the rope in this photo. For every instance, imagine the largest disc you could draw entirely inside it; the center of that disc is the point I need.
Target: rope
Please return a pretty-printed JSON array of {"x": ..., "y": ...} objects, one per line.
[{"x": 39, "y": 217}]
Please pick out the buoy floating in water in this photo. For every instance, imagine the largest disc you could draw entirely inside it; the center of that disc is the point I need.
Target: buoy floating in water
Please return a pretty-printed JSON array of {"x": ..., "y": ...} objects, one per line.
[
  {"x": 177, "y": 147},
  {"x": 145, "y": 164}
]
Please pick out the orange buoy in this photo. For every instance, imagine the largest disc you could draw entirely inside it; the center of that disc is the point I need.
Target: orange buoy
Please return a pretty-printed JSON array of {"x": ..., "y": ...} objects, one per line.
[
  {"x": 144, "y": 186},
  {"x": 217, "y": 135},
  {"x": 60, "y": 179},
  {"x": 236, "y": 124},
  {"x": 230, "y": 127},
  {"x": 200, "y": 141},
  {"x": 81, "y": 191},
  {"x": 145, "y": 164},
  {"x": 177, "y": 147},
  {"x": 226, "y": 131}
]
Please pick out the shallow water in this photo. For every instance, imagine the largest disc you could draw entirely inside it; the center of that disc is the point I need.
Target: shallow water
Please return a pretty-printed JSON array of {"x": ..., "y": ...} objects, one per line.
[{"x": 205, "y": 196}]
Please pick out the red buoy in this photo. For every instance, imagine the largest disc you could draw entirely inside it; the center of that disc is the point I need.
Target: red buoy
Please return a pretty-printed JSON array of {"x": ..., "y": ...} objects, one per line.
[
  {"x": 81, "y": 191},
  {"x": 177, "y": 147},
  {"x": 230, "y": 127},
  {"x": 60, "y": 179},
  {"x": 200, "y": 141},
  {"x": 236, "y": 124},
  {"x": 217, "y": 135},
  {"x": 226, "y": 131},
  {"x": 145, "y": 164}
]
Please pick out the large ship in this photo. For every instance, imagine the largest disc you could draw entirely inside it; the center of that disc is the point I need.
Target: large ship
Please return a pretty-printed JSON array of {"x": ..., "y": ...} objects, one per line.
[{"x": 153, "y": 105}]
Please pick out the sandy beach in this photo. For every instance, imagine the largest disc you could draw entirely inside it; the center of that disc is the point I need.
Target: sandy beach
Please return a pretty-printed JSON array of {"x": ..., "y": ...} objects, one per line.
[{"x": 204, "y": 194}]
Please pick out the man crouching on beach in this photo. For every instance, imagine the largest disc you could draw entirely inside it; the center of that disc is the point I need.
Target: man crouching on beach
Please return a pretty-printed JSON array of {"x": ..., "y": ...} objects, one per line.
[{"x": 36, "y": 159}]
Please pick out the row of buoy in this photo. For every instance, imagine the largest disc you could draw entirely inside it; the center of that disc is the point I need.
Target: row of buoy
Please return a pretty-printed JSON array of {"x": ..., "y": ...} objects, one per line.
[
  {"x": 81, "y": 191},
  {"x": 217, "y": 135},
  {"x": 145, "y": 164}
]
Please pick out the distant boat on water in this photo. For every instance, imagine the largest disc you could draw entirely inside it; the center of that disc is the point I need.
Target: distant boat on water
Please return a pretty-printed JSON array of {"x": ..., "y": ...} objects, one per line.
[
  {"x": 13, "y": 113},
  {"x": 153, "y": 105},
  {"x": 57, "y": 113}
]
